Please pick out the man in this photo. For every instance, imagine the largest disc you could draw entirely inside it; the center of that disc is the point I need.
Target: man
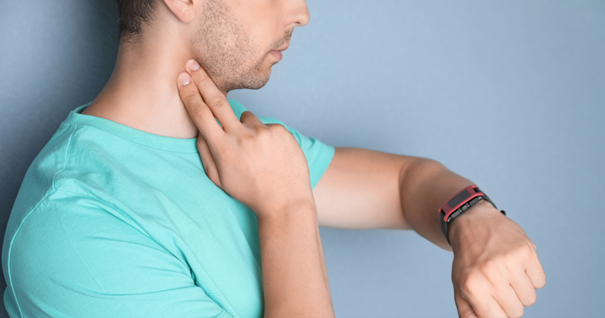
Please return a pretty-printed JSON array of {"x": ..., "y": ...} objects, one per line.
[{"x": 123, "y": 213}]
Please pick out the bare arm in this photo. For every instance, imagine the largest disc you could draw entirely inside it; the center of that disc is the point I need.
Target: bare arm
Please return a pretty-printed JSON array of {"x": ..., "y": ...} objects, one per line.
[
  {"x": 263, "y": 167},
  {"x": 294, "y": 271},
  {"x": 370, "y": 189},
  {"x": 365, "y": 189},
  {"x": 360, "y": 190}
]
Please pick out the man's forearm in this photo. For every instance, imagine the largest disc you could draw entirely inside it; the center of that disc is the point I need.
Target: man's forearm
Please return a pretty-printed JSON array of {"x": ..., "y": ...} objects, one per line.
[
  {"x": 294, "y": 273},
  {"x": 424, "y": 186},
  {"x": 370, "y": 189}
]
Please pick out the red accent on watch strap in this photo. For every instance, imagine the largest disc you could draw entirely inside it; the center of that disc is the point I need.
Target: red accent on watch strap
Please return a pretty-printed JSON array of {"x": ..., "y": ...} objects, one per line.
[{"x": 448, "y": 210}]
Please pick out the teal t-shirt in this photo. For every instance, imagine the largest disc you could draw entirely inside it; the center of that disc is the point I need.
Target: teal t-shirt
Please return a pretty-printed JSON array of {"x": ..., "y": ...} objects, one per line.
[{"x": 111, "y": 221}]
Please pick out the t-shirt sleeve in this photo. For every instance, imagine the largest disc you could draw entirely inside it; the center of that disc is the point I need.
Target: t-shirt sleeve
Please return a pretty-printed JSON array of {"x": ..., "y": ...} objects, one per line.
[
  {"x": 318, "y": 154},
  {"x": 72, "y": 258}
]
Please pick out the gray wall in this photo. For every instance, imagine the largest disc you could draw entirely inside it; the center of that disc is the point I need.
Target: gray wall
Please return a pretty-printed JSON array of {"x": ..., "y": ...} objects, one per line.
[{"x": 522, "y": 83}]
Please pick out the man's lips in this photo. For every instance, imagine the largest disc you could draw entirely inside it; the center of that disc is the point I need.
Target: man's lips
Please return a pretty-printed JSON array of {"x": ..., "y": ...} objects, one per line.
[{"x": 278, "y": 53}]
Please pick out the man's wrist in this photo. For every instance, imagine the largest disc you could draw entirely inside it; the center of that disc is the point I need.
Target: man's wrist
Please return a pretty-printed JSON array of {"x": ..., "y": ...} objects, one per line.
[
  {"x": 285, "y": 211},
  {"x": 480, "y": 213}
]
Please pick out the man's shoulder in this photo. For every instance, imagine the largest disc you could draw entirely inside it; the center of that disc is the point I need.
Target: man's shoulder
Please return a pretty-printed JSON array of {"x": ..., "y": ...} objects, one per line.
[
  {"x": 68, "y": 161},
  {"x": 63, "y": 180},
  {"x": 59, "y": 211}
]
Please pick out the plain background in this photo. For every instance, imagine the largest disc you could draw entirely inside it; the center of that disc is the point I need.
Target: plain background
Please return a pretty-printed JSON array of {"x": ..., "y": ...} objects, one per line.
[{"x": 510, "y": 94}]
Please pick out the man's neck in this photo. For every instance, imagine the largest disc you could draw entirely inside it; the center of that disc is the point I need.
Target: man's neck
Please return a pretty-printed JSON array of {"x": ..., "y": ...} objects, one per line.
[{"x": 142, "y": 91}]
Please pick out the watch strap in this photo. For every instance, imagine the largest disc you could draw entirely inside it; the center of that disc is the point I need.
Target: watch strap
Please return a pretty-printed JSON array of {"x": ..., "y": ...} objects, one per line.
[{"x": 469, "y": 204}]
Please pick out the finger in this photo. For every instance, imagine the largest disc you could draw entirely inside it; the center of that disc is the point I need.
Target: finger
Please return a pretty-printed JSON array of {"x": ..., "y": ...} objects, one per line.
[
  {"x": 464, "y": 308},
  {"x": 535, "y": 272},
  {"x": 212, "y": 96},
  {"x": 523, "y": 289},
  {"x": 198, "y": 110},
  {"x": 249, "y": 119},
  {"x": 486, "y": 306},
  {"x": 495, "y": 310},
  {"x": 509, "y": 302},
  {"x": 208, "y": 160}
]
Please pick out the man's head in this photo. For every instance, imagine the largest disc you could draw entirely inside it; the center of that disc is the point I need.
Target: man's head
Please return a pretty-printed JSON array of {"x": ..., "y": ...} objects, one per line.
[{"x": 232, "y": 39}]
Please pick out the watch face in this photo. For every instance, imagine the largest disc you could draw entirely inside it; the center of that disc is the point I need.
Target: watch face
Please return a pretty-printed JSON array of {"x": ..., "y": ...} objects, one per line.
[{"x": 459, "y": 198}]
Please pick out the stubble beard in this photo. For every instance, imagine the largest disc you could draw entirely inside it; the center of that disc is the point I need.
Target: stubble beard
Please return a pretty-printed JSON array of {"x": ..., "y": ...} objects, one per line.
[{"x": 226, "y": 53}]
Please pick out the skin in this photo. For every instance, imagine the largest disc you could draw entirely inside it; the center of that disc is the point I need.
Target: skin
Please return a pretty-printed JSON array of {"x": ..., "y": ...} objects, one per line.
[
  {"x": 230, "y": 56},
  {"x": 496, "y": 268},
  {"x": 295, "y": 278}
]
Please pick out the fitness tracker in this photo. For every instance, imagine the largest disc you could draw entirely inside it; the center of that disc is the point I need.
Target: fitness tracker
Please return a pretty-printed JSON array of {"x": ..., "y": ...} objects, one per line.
[{"x": 459, "y": 204}]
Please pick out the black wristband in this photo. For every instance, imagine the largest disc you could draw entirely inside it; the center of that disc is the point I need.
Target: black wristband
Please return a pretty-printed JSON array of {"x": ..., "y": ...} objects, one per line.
[{"x": 463, "y": 207}]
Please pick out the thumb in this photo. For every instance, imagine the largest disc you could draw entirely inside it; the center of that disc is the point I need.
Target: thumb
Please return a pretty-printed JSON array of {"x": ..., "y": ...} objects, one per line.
[{"x": 464, "y": 308}]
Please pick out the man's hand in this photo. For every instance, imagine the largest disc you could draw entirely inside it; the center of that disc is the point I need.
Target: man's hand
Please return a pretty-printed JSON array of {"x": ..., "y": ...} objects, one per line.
[
  {"x": 496, "y": 269},
  {"x": 263, "y": 167},
  {"x": 260, "y": 165}
]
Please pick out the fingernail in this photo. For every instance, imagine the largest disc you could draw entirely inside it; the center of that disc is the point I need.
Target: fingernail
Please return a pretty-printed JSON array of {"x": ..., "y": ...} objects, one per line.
[
  {"x": 193, "y": 65},
  {"x": 184, "y": 79}
]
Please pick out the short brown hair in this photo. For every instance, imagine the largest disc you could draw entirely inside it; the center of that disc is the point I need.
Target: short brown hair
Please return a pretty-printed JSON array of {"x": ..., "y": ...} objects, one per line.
[{"x": 132, "y": 15}]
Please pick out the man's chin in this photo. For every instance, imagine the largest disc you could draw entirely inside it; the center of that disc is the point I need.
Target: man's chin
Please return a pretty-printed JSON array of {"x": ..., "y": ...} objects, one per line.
[
  {"x": 251, "y": 82},
  {"x": 253, "y": 87}
]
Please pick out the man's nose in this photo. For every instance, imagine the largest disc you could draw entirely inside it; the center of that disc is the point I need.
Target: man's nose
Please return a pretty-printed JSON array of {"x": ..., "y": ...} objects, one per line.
[{"x": 298, "y": 12}]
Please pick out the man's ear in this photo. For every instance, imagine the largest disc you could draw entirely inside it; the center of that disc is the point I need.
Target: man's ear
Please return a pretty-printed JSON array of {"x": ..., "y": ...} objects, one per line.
[{"x": 182, "y": 9}]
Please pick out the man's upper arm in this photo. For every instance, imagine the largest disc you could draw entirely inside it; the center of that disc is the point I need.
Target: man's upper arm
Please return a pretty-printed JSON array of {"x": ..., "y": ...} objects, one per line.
[
  {"x": 70, "y": 258},
  {"x": 354, "y": 188},
  {"x": 360, "y": 190}
]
